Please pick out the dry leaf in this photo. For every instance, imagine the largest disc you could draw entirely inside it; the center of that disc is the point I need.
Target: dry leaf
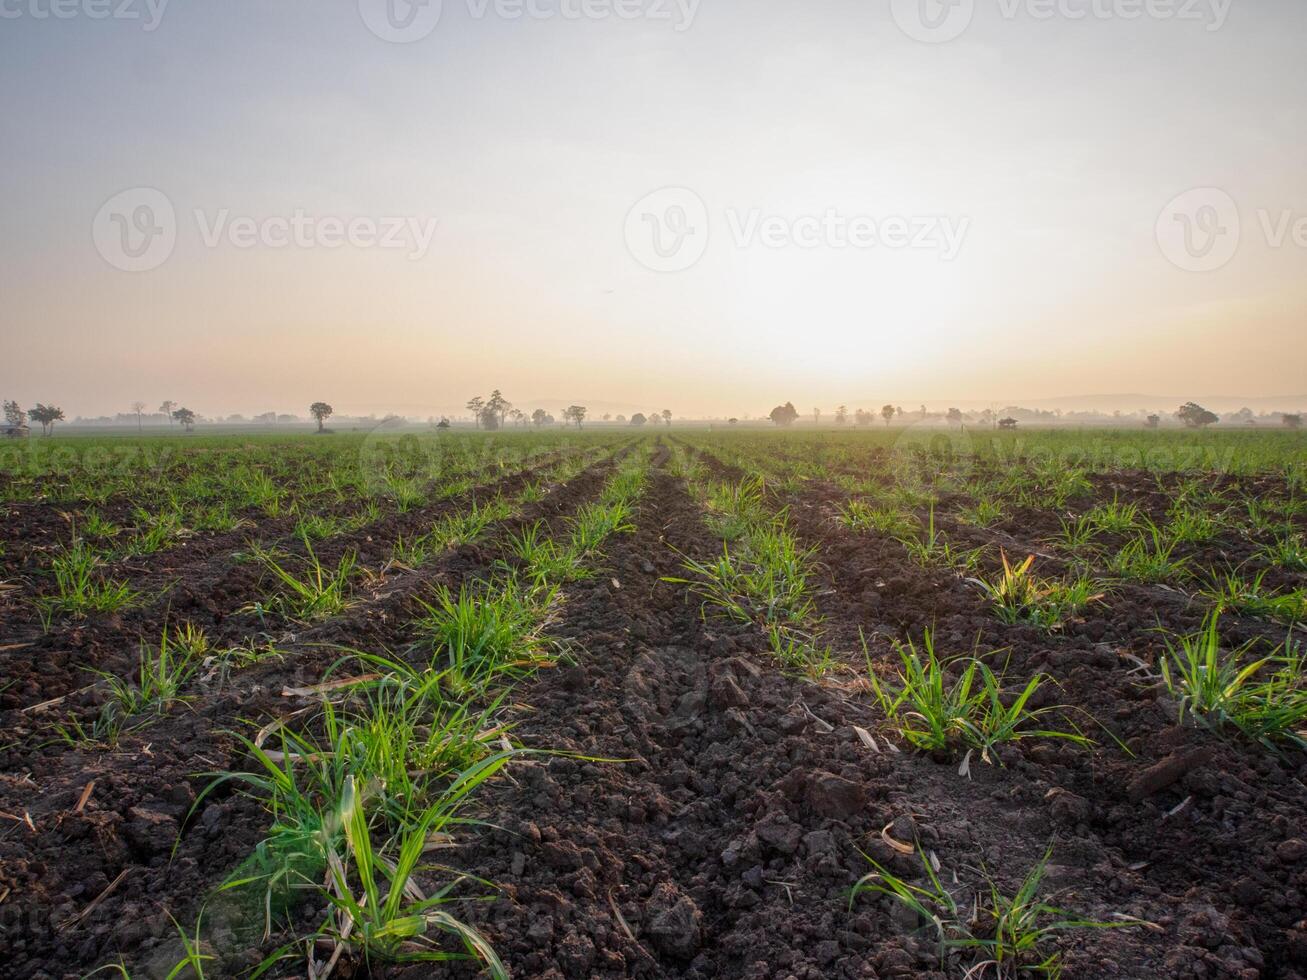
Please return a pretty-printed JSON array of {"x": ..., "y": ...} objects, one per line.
[
  {"x": 898, "y": 845},
  {"x": 823, "y": 726},
  {"x": 866, "y": 738},
  {"x": 1122, "y": 917},
  {"x": 306, "y": 692}
]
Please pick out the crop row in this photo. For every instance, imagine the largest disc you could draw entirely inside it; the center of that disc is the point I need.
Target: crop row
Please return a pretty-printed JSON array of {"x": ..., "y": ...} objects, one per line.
[{"x": 358, "y": 786}]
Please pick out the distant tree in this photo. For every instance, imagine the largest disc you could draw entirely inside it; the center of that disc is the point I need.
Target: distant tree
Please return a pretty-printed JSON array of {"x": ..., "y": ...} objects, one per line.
[
  {"x": 732, "y": 421},
  {"x": 443, "y": 423},
  {"x": 138, "y": 408},
  {"x": 575, "y": 413},
  {"x": 1291, "y": 421},
  {"x": 489, "y": 418},
  {"x": 539, "y": 416},
  {"x": 841, "y": 415},
  {"x": 500, "y": 405},
  {"x": 922, "y": 411},
  {"x": 1008, "y": 423},
  {"x": 1194, "y": 416},
  {"x": 783, "y": 415},
  {"x": 638, "y": 419},
  {"x": 15, "y": 417},
  {"x": 816, "y": 416},
  {"x": 186, "y": 417},
  {"x": 1153, "y": 421},
  {"x": 862, "y": 417},
  {"x": 476, "y": 406},
  {"x": 898, "y": 409},
  {"x": 887, "y": 413},
  {"x": 607, "y": 416},
  {"x": 47, "y": 415},
  {"x": 987, "y": 417},
  {"x": 667, "y": 417},
  {"x": 518, "y": 416},
  {"x": 620, "y": 420},
  {"x": 321, "y": 411},
  {"x": 167, "y": 408},
  {"x": 955, "y": 416}
]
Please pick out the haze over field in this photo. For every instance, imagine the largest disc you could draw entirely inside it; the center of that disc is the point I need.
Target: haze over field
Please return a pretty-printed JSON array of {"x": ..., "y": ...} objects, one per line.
[{"x": 865, "y": 210}]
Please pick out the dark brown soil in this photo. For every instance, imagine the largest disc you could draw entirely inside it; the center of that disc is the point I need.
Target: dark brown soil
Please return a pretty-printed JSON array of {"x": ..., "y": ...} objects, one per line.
[
  {"x": 725, "y": 842},
  {"x": 208, "y": 583},
  {"x": 53, "y": 868}
]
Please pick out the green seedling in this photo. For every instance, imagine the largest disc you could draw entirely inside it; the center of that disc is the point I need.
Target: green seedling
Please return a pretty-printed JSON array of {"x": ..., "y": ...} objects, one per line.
[
  {"x": 1018, "y": 596},
  {"x": 317, "y": 593},
  {"x": 947, "y": 705},
  {"x": 479, "y": 636},
  {"x": 79, "y": 589},
  {"x": 1009, "y": 934},
  {"x": 858, "y": 515},
  {"x": 1265, "y": 698},
  {"x": 1147, "y": 558}
]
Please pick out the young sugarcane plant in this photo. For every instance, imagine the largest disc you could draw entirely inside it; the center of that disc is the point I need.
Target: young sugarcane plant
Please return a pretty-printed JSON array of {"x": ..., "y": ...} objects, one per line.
[
  {"x": 1147, "y": 558},
  {"x": 1010, "y": 934},
  {"x": 1018, "y": 596},
  {"x": 930, "y": 548},
  {"x": 392, "y": 919},
  {"x": 162, "y": 673},
  {"x": 1232, "y": 591},
  {"x": 859, "y": 515},
  {"x": 1264, "y": 698},
  {"x": 952, "y": 705},
  {"x": 79, "y": 589},
  {"x": 320, "y": 593},
  {"x": 1288, "y": 550},
  {"x": 476, "y": 636}
]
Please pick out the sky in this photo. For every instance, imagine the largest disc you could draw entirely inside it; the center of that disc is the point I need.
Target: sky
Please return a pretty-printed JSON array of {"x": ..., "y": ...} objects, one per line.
[{"x": 707, "y": 205}]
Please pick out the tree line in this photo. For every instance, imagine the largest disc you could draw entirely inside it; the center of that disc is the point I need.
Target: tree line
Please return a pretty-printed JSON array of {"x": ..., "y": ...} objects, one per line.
[
  {"x": 787, "y": 414},
  {"x": 497, "y": 411},
  {"x": 1191, "y": 415}
]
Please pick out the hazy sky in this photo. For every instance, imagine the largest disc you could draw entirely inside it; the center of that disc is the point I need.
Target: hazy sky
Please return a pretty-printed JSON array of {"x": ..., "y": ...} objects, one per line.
[{"x": 1032, "y": 159}]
